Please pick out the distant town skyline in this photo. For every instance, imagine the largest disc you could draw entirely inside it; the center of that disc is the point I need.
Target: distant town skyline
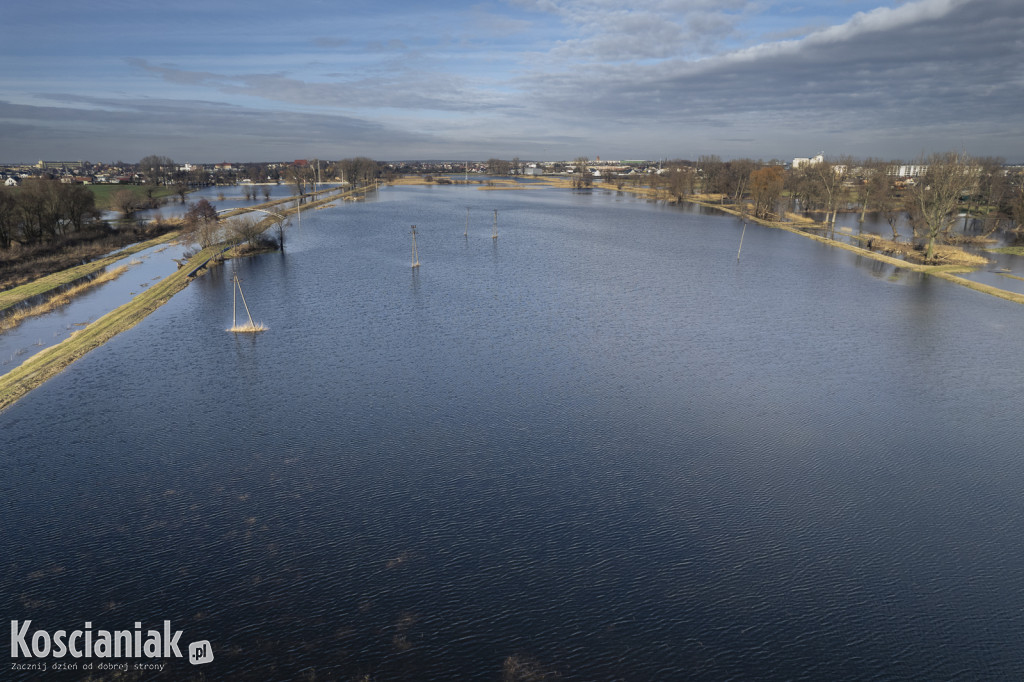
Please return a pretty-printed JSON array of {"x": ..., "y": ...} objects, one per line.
[{"x": 537, "y": 79}]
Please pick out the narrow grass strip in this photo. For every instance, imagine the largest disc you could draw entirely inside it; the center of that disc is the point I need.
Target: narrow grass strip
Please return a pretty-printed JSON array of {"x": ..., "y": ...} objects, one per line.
[
  {"x": 51, "y": 361},
  {"x": 58, "y": 279},
  {"x": 15, "y": 318}
]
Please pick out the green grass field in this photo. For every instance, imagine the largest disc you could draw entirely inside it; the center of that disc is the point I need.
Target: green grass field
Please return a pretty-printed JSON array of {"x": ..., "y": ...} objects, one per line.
[{"x": 104, "y": 192}]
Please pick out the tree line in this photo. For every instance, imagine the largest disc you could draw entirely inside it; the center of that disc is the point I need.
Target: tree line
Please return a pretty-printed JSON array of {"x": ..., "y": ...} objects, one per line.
[
  {"x": 930, "y": 201},
  {"x": 44, "y": 209}
]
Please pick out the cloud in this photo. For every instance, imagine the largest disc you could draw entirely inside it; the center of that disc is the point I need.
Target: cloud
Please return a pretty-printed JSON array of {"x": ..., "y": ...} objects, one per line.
[
  {"x": 561, "y": 77},
  {"x": 197, "y": 129},
  {"x": 403, "y": 87},
  {"x": 604, "y": 30},
  {"x": 932, "y": 69}
]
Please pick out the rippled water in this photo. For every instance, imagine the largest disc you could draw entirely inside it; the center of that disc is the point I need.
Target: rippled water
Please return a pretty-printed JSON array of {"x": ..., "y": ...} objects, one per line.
[{"x": 597, "y": 444}]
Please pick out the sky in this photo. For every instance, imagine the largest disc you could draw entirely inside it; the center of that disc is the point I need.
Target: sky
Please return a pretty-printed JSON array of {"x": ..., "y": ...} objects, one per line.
[{"x": 212, "y": 81}]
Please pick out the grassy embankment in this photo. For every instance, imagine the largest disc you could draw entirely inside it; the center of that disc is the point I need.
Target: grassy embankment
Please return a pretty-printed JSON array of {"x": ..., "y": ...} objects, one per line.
[
  {"x": 16, "y": 317},
  {"x": 51, "y": 361},
  {"x": 945, "y": 272},
  {"x": 51, "y": 282}
]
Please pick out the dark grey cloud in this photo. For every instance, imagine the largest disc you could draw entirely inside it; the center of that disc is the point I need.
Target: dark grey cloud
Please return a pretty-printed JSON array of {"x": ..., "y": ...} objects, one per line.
[
  {"x": 939, "y": 79},
  {"x": 403, "y": 87},
  {"x": 201, "y": 131},
  {"x": 588, "y": 77}
]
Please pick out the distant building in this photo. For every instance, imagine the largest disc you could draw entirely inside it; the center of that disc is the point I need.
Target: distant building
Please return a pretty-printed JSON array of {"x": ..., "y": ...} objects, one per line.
[
  {"x": 808, "y": 161},
  {"x": 909, "y": 171},
  {"x": 11, "y": 182},
  {"x": 60, "y": 165}
]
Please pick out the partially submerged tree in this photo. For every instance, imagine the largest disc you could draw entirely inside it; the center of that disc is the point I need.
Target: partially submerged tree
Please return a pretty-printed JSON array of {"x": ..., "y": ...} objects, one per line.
[
  {"x": 679, "y": 179},
  {"x": 987, "y": 205},
  {"x": 181, "y": 189},
  {"x": 766, "y": 186},
  {"x": 245, "y": 229},
  {"x": 299, "y": 175},
  {"x": 581, "y": 175},
  {"x": 934, "y": 198},
  {"x": 200, "y": 223},
  {"x": 358, "y": 171},
  {"x": 125, "y": 202}
]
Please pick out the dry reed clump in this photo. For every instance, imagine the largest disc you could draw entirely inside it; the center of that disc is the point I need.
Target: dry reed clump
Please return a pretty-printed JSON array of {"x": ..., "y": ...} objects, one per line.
[
  {"x": 18, "y": 316},
  {"x": 945, "y": 254}
]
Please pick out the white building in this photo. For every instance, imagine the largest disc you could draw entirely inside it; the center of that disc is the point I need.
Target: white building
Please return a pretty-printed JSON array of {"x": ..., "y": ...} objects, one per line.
[
  {"x": 812, "y": 161},
  {"x": 909, "y": 171}
]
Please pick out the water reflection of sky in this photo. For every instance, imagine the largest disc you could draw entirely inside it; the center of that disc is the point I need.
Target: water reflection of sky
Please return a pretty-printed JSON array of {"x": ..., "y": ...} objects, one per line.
[{"x": 597, "y": 442}]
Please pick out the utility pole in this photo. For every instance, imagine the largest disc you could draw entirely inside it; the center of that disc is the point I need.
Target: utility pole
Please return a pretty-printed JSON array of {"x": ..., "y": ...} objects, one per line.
[{"x": 415, "y": 254}]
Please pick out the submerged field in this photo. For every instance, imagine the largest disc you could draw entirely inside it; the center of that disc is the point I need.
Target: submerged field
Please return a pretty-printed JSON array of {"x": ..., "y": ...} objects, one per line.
[{"x": 597, "y": 446}]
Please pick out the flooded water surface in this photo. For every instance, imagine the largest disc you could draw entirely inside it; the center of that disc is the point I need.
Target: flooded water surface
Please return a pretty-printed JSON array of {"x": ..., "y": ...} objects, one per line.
[{"x": 596, "y": 446}]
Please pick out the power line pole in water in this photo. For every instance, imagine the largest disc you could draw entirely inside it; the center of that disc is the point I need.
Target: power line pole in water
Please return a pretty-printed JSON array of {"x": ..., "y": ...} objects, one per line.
[
  {"x": 415, "y": 253},
  {"x": 494, "y": 234}
]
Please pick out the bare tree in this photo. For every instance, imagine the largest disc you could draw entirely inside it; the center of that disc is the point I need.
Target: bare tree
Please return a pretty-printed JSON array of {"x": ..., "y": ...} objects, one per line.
[
  {"x": 357, "y": 171},
  {"x": 1016, "y": 203},
  {"x": 78, "y": 205},
  {"x": 245, "y": 228},
  {"x": 738, "y": 177},
  {"x": 9, "y": 221},
  {"x": 988, "y": 201},
  {"x": 155, "y": 168},
  {"x": 582, "y": 177},
  {"x": 200, "y": 223},
  {"x": 679, "y": 179},
  {"x": 498, "y": 166},
  {"x": 713, "y": 174},
  {"x": 829, "y": 178},
  {"x": 125, "y": 202},
  {"x": 181, "y": 189},
  {"x": 298, "y": 175},
  {"x": 766, "y": 186},
  {"x": 935, "y": 197},
  {"x": 885, "y": 194}
]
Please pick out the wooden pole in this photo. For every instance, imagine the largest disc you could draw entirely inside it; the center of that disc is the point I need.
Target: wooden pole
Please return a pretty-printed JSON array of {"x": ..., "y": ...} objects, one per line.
[{"x": 494, "y": 234}]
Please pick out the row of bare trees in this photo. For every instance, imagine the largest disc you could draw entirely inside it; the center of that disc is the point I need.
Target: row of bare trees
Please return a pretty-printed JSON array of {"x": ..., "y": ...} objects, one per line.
[
  {"x": 358, "y": 171},
  {"x": 948, "y": 186},
  {"x": 201, "y": 225},
  {"x": 43, "y": 209}
]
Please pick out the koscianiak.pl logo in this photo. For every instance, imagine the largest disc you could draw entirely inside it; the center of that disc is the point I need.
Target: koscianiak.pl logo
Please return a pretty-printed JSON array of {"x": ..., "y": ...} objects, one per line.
[{"x": 78, "y": 649}]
